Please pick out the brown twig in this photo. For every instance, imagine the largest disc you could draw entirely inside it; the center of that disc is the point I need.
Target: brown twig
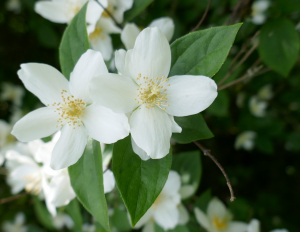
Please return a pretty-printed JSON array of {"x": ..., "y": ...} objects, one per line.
[
  {"x": 207, "y": 153},
  {"x": 203, "y": 17},
  {"x": 109, "y": 14},
  {"x": 9, "y": 199}
]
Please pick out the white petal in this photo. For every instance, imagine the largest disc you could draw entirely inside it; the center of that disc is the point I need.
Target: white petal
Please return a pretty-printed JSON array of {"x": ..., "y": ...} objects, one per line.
[
  {"x": 37, "y": 124},
  {"x": 166, "y": 25},
  {"x": 90, "y": 64},
  {"x": 173, "y": 184},
  {"x": 103, "y": 44},
  {"x": 149, "y": 227},
  {"x": 151, "y": 55},
  {"x": 122, "y": 6},
  {"x": 183, "y": 215},
  {"x": 108, "y": 26},
  {"x": 167, "y": 215},
  {"x": 216, "y": 208},
  {"x": 93, "y": 12},
  {"x": 54, "y": 11},
  {"x": 254, "y": 226},
  {"x": 280, "y": 230},
  {"x": 115, "y": 92},
  {"x": 108, "y": 181},
  {"x": 120, "y": 56},
  {"x": 202, "y": 219},
  {"x": 175, "y": 127},
  {"x": 137, "y": 150},
  {"x": 20, "y": 218},
  {"x": 69, "y": 147},
  {"x": 151, "y": 131},
  {"x": 43, "y": 81},
  {"x": 186, "y": 191},
  {"x": 129, "y": 35},
  {"x": 104, "y": 125},
  {"x": 188, "y": 95},
  {"x": 237, "y": 227}
]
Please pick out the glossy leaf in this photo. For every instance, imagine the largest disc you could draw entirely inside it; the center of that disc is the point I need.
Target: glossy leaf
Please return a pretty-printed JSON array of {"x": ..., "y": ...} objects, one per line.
[
  {"x": 42, "y": 214},
  {"x": 137, "y": 7},
  {"x": 193, "y": 128},
  {"x": 74, "y": 42},
  {"x": 202, "y": 52},
  {"x": 138, "y": 181},
  {"x": 87, "y": 181},
  {"x": 279, "y": 45}
]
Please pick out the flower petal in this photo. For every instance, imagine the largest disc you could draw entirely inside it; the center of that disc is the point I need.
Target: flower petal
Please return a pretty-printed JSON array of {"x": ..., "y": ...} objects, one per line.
[
  {"x": 202, "y": 219},
  {"x": 115, "y": 92},
  {"x": 253, "y": 226},
  {"x": 166, "y": 215},
  {"x": 93, "y": 12},
  {"x": 140, "y": 152},
  {"x": 237, "y": 227},
  {"x": 69, "y": 147},
  {"x": 183, "y": 215},
  {"x": 188, "y": 95},
  {"x": 103, "y": 44},
  {"x": 151, "y": 55},
  {"x": 55, "y": 11},
  {"x": 151, "y": 131},
  {"x": 43, "y": 81},
  {"x": 129, "y": 35},
  {"x": 173, "y": 184},
  {"x": 37, "y": 124},
  {"x": 216, "y": 208},
  {"x": 104, "y": 125},
  {"x": 120, "y": 56},
  {"x": 108, "y": 181},
  {"x": 121, "y": 7},
  {"x": 175, "y": 127},
  {"x": 166, "y": 25},
  {"x": 90, "y": 64}
]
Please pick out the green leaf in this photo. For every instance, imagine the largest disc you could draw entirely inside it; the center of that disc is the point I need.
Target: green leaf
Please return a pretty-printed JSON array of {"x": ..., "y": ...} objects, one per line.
[
  {"x": 179, "y": 228},
  {"x": 139, "y": 182},
  {"x": 279, "y": 45},
  {"x": 137, "y": 7},
  {"x": 193, "y": 128},
  {"x": 74, "y": 42},
  {"x": 188, "y": 165},
  {"x": 220, "y": 106},
  {"x": 119, "y": 220},
  {"x": 42, "y": 214},
  {"x": 73, "y": 209},
  {"x": 203, "y": 200},
  {"x": 202, "y": 52},
  {"x": 87, "y": 181}
]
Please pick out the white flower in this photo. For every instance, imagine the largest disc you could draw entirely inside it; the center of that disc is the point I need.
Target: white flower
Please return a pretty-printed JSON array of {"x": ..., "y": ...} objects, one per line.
[
  {"x": 99, "y": 37},
  {"x": 245, "y": 140},
  {"x": 63, "y": 11},
  {"x": 265, "y": 93},
  {"x": 131, "y": 31},
  {"x": 12, "y": 93},
  {"x": 88, "y": 228},
  {"x": 167, "y": 210},
  {"x": 116, "y": 8},
  {"x": 254, "y": 226},
  {"x": 7, "y": 141},
  {"x": 69, "y": 109},
  {"x": 257, "y": 107},
  {"x": 17, "y": 225},
  {"x": 14, "y": 5},
  {"x": 63, "y": 220},
  {"x": 259, "y": 9},
  {"x": 218, "y": 218},
  {"x": 144, "y": 92}
]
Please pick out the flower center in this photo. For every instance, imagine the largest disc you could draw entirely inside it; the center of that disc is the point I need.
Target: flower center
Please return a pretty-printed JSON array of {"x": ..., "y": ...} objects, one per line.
[
  {"x": 73, "y": 8},
  {"x": 33, "y": 183},
  {"x": 159, "y": 200},
  {"x": 96, "y": 34},
  {"x": 70, "y": 110},
  {"x": 220, "y": 223},
  {"x": 152, "y": 92},
  {"x": 110, "y": 8}
]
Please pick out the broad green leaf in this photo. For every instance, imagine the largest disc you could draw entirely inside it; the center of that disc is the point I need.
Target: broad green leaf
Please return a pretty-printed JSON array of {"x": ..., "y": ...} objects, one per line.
[
  {"x": 74, "y": 42},
  {"x": 42, "y": 214},
  {"x": 87, "y": 181},
  {"x": 220, "y": 107},
  {"x": 138, "y": 181},
  {"x": 119, "y": 220},
  {"x": 203, "y": 200},
  {"x": 73, "y": 209},
  {"x": 188, "y": 165},
  {"x": 202, "y": 52},
  {"x": 193, "y": 128},
  {"x": 137, "y": 7},
  {"x": 279, "y": 45}
]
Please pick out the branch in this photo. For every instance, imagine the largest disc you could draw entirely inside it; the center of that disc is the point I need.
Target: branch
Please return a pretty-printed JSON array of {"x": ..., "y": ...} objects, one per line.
[
  {"x": 207, "y": 153},
  {"x": 8, "y": 199},
  {"x": 203, "y": 17},
  {"x": 110, "y": 15}
]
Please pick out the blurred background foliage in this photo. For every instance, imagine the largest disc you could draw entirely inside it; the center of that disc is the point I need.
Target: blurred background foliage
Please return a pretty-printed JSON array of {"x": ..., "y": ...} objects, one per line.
[{"x": 265, "y": 179}]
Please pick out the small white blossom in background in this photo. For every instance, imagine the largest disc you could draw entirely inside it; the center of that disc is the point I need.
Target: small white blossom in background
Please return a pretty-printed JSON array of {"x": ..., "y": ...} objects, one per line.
[
  {"x": 167, "y": 210},
  {"x": 69, "y": 108},
  {"x": 17, "y": 225},
  {"x": 245, "y": 140},
  {"x": 14, "y": 5},
  {"x": 240, "y": 99},
  {"x": 254, "y": 226},
  {"x": 298, "y": 27},
  {"x": 186, "y": 190},
  {"x": 218, "y": 218},
  {"x": 88, "y": 228},
  {"x": 259, "y": 9},
  {"x": 63, "y": 11},
  {"x": 62, "y": 220},
  {"x": 265, "y": 93},
  {"x": 12, "y": 93},
  {"x": 257, "y": 107},
  {"x": 143, "y": 91},
  {"x": 131, "y": 31}
]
